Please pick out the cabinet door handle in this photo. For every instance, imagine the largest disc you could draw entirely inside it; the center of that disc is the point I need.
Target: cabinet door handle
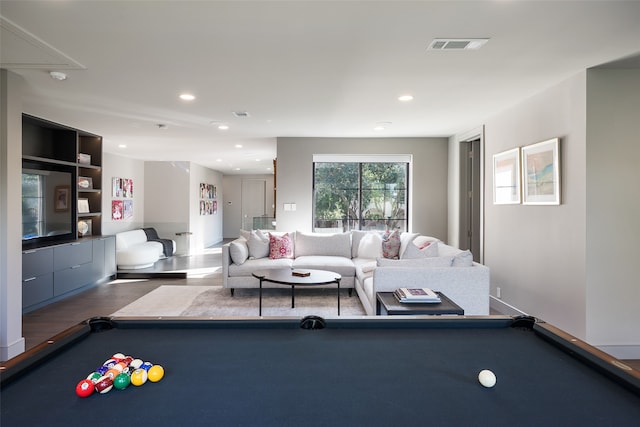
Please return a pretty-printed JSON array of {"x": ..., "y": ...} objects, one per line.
[
  {"x": 75, "y": 244},
  {"x": 32, "y": 251},
  {"x": 29, "y": 279},
  {"x": 75, "y": 266}
]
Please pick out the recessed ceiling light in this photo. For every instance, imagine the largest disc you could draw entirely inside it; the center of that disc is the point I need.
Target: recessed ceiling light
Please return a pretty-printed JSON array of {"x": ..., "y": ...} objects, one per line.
[
  {"x": 218, "y": 160},
  {"x": 237, "y": 169},
  {"x": 122, "y": 146},
  {"x": 405, "y": 98},
  {"x": 381, "y": 126},
  {"x": 223, "y": 127},
  {"x": 187, "y": 97},
  {"x": 238, "y": 145},
  {"x": 58, "y": 75}
]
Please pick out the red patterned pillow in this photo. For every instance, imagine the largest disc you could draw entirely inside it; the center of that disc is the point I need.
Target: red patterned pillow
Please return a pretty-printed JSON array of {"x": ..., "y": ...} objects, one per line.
[
  {"x": 280, "y": 246},
  {"x": 391, "y": 244}
]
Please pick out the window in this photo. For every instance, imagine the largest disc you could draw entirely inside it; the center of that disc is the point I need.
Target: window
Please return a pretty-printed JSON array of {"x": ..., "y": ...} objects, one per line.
[
  {"x": 32, "y": 205},
  {"x": 369, "y": 195}
]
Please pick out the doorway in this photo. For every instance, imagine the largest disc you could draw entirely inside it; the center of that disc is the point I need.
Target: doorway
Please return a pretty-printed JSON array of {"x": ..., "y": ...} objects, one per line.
[
  {"x": 471, "y": 197},
  {"x": 254, "y": 201}
]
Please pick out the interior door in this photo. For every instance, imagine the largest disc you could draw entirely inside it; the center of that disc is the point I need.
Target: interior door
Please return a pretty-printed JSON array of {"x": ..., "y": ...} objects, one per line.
[{"x": 254, "y": 196}]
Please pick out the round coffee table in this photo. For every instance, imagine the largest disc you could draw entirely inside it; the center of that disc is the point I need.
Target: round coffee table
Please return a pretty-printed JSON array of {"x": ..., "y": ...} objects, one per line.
[{"x": 287, "y": 276}]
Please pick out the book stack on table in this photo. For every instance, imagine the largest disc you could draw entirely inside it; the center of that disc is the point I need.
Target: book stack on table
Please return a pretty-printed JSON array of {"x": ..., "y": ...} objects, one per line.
[{"x": 419, "y": 295}]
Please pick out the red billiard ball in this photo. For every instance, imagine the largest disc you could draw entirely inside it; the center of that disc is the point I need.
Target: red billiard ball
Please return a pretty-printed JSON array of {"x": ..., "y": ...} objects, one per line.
[
  {"x": 85, "y": 388},
  {"x": 104, "y": 385}
]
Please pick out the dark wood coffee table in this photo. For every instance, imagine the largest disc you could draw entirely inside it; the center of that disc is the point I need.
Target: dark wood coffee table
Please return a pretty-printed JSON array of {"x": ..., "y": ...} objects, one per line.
[
  {"x": 388, "y": 304},
  {"x": 284, "y": 276}
]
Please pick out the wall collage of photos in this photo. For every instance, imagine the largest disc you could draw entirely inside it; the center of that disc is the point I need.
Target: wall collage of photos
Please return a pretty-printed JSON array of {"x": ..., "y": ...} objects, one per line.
[
  {"x": 208, "y": 202},
  {"x": 122, "y": 203}
]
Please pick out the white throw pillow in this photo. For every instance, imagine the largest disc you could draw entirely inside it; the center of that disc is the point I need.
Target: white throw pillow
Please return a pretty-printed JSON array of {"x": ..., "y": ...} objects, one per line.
[
  {"x": 428, "y": 251},
  {"x": 405, "y": 239},
  {"x": 238, "y": 251},
  {"x": 370, "y": 246},
  {"x": 258, "y": 245},
  {"x": 463, "y": 259}
]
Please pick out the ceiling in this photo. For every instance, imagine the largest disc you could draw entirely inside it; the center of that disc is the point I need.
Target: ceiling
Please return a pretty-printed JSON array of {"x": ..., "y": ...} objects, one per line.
[{"x": 298, "y": 68}]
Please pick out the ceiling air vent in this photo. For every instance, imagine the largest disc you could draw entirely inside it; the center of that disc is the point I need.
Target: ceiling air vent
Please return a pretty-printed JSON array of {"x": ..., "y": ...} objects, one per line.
[
  {"x": 241, "y": 114},
  {"x": 457, "y": 44}
]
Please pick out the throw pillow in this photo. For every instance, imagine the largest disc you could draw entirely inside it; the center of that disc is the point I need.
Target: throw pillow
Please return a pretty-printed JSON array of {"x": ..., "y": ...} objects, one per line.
[
  {"x": 245, "y": 234},
  {"x": 370, "y": 246},
  {"x": 405, "y": 239},
  {"x": 391, "y": 244},
  {"x": 238, "y": 251},
  {"x": 463, "y": 259},
  {"x": 258, "y": 245},
  {"x": 280, "y": 246},
  {"x": 427, "y": 250}
]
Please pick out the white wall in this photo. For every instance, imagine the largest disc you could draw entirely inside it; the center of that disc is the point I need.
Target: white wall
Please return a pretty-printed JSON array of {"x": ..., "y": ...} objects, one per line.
[
  {"x": 537, "y": 253},
  {"x": 206, "y": 229},
  {"x": 428, "y": 209},
  {"x": 613, "y": 209},
  {"x": 114, "y": 166},
  {"x": 11, "y": 340}
]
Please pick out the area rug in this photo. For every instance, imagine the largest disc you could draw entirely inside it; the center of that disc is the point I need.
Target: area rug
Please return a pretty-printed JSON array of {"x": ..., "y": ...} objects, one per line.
[{"x": 194, "y": 301}]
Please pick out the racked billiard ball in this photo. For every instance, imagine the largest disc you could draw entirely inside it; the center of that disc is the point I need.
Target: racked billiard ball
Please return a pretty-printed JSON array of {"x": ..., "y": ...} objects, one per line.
[{"x": 85, "y": 388}]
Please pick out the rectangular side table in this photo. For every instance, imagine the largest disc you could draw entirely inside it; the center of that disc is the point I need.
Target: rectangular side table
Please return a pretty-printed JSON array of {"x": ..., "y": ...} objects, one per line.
[{"x": 388, "y": 304}]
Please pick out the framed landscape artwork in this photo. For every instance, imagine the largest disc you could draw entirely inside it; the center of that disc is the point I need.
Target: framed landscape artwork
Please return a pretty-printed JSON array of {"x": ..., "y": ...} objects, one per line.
[
  {"x": 506, "y": 177},
  {"x": 541, "y": 173}
]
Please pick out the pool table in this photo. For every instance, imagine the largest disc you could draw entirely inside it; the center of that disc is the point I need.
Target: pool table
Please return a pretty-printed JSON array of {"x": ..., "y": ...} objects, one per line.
[{"x": 401, "y": 371}]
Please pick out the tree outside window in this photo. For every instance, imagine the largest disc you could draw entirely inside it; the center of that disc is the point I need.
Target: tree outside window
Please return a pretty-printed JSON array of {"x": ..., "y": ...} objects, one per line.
[{"x": 360, "y": 196}]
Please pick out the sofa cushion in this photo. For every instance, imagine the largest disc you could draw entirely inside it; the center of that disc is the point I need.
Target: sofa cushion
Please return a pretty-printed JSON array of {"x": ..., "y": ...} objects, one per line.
[
  {"x": 446, "y": 250},
  {"x": 338, "y": 244},
  {"x": 280, "y": 246},
  {"x": 356, "y": 237},
  {"x": 391, "y": 244},
  {"x": 258, "y": 244},
  {"x": 370, "y": 246},
  {"x": 440, "y": 261},
  {"x": 426, "y": 250},
  {"x": 338, "y": 264},
  {"x": 238, "y": 251}
]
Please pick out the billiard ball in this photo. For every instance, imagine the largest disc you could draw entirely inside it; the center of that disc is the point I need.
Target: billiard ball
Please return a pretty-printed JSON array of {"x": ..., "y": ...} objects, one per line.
[
  {"x": 118, "y": 357},
  {"x": 104, "y": 385},
  {"x": 135, "y": 363},
  {"x": 155, "y": 374},
  {"x": 121, "y": 381},
  {"x": 487, "y": 378},
  {"x": 94, "y": 377},
  {"x": 138, "y": 377},
  {"x": 112, "y": 373},
  {"x": 146, "y": 366},
  {"x": 85, "y": 388},
  {"x": 102, "y": 370}
]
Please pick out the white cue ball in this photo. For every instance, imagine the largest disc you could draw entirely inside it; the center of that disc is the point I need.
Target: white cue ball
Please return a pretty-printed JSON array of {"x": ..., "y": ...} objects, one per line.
[{"x": 487, "y": 378}]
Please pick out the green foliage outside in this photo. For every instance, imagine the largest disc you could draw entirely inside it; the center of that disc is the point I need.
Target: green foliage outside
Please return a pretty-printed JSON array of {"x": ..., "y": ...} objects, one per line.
[{"x": 362, "y": 195}]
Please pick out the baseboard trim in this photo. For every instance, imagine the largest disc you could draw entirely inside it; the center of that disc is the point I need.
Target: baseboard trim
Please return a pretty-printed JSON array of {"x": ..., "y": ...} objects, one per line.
[
  {"x": 622, "y": 352},
  {"x": 504, "y": 308}
]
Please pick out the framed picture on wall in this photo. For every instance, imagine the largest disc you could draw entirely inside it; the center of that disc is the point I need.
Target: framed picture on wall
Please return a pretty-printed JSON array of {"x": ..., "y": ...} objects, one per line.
[
  {"x": 506, "y": 177},
  {"x": 541, "y": 173}
]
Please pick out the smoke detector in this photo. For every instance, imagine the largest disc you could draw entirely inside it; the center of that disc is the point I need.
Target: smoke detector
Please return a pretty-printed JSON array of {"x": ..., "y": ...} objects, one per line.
[{"x": 457, "y": 44}]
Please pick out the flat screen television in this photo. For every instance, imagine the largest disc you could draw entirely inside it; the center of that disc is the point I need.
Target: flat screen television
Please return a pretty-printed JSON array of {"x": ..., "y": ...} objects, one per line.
[{"x": 48, "y": 211}]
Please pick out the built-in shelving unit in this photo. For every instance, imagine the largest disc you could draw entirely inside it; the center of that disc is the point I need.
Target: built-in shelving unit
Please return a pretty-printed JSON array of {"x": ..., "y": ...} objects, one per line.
[{"x": 62, "y": 257}]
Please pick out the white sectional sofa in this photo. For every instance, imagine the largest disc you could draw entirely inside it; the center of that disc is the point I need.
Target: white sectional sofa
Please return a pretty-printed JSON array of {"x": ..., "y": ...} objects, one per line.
[
  {"x": 134, "y": 251},
  {"x": 359, "y": 257}
]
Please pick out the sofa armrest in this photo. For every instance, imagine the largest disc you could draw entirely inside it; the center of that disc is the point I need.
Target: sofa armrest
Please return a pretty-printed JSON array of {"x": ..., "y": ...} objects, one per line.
[{"x": 466, "y": 286}]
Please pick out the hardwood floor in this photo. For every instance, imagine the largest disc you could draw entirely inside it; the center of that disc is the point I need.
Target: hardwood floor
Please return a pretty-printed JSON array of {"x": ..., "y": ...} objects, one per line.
[{"x": 105, "y": 299}]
